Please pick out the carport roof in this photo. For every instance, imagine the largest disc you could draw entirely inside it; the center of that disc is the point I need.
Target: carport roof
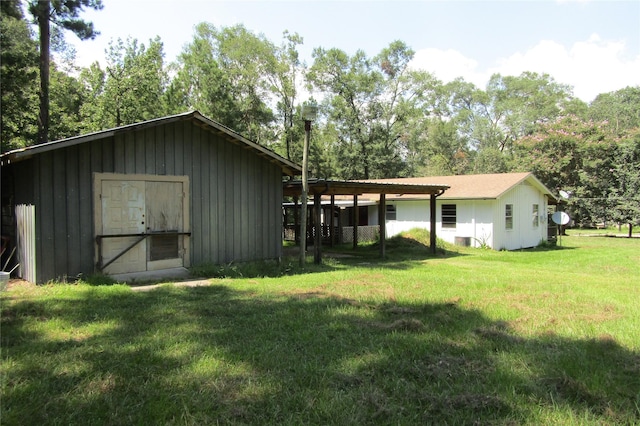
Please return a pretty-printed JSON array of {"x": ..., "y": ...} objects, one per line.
[{"x": 354, "y": 187}]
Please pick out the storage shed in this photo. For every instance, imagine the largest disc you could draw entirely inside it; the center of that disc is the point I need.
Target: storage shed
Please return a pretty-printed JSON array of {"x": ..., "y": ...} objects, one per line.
[{"x": 156, "y": 196}]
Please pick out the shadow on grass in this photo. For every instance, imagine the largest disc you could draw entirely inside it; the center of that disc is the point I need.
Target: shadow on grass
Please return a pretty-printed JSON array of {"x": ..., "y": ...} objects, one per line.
[
  {"x": 401, "y": 253},
  {"x": 217, "y": 355}
]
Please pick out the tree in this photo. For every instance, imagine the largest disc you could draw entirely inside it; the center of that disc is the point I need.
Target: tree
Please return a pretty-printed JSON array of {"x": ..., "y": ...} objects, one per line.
[
  {"x": 284, "y": 83},
  {"x": 373, "y": 104},
  {"x": 520, "y": 104},
  {"x": 18, "y": 71},
  {"x": 599, "y": 168},
  {"x": 130, "y": 89},
  {"x": 226, "y": 74},
  {"x": 626, "y": 173},
  {"x": 63, "y": 14},
  {"x": 620, "y": 109},
  {"x": 66, "y": 101}
]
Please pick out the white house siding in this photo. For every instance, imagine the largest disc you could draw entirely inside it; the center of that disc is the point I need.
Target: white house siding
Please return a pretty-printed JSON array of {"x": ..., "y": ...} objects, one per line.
[
  {"x": 473, "y": 220},
  {"x": 482, "y": 221},
  {"x": 524, "y": 233},
  {"x": 409, "y": 214}
]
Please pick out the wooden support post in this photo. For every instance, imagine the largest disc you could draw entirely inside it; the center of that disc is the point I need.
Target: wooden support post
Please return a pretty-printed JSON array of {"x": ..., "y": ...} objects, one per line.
[
  {"x": 317, "y": 219},
  {"x": 382, "y": 221},
  {"x": 340, "y": 237},
  {"x": 296, "y": 220},
  {"x": 332, "y": 229},
  {"x": 432, "y": 222},
  {"x": 356, "y": 219}
]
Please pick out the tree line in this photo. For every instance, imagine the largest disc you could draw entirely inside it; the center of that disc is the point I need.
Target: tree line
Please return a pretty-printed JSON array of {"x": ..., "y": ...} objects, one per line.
[{"x": 379, "y": 117}]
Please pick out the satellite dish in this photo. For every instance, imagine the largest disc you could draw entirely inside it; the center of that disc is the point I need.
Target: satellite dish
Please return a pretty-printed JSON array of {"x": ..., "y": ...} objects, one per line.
[
  {"x": 560, "y": 218},
  {"x": 564, "y": 194}
]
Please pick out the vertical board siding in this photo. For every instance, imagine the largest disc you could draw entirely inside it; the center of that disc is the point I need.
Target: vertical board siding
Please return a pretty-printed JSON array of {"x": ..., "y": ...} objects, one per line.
[
  {"x": 229, "y": 219},
  {"x": 45, "y": 219},
  {"x": 244, "y": 206},
  {"x": 214, "y": 176},
  {"x": 119, "y": 152},
  {"x": 72, "y": 211},
  {"x": 85, "y": 210},
  {"x": 60, "y": 234},
  {"x": 220, "y": 203},
  {"x": 235, "y": 195},
  {"x": 196, "y": 191},
  {"x": 205, "y": 183}
]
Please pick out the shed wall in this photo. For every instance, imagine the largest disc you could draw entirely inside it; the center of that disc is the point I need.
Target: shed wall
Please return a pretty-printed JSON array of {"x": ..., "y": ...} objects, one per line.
[{"x": 236, "y": 195}]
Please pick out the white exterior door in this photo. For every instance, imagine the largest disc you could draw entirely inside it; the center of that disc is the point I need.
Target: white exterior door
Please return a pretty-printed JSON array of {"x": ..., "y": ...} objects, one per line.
[
  {"x": 123, "y": 212},
  {"x": 151, "y": 212}
]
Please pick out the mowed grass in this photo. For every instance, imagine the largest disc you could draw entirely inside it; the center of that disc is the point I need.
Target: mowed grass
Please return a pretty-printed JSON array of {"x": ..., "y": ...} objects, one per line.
[{"x": 469, "y": 336}]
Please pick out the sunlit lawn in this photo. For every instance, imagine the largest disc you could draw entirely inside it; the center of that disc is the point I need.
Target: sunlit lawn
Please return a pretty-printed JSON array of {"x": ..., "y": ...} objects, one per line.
[{"x": 469, "y": 336}]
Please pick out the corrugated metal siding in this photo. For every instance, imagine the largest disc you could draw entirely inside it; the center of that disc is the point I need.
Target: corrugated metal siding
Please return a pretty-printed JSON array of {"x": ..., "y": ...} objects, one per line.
[
  {"x": 26, "y": 241},
  {"x": 235, "y": 207}
]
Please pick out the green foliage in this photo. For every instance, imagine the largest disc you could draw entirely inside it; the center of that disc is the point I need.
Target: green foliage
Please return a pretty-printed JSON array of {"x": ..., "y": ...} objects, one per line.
[
  {"x": 129, "y": 90},
  {"x": 374, "y": 104},
  {"x": 590, "y": 160},
  {"x": 619, "y": 109},
  {"x": 228, "y": 74},
  {"x": 266, "y": 268},
  {"x": 64, "y": 15},
  {"x": 18, "y": 72}
]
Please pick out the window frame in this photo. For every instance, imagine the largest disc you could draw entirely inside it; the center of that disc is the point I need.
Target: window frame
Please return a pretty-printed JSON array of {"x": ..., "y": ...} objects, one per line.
[
  {"x": 447, "y": 216},
  {"x": 508, "y": 217},
  {"x": 391, "y": 212}
]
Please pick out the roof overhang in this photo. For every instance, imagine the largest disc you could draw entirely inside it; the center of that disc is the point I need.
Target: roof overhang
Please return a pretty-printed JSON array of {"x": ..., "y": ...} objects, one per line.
[{"x": 350, "y": 187}]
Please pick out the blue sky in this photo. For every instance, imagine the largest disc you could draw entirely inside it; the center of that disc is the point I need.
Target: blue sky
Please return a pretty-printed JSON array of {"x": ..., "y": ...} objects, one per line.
[{"x": 592, "y": 45}]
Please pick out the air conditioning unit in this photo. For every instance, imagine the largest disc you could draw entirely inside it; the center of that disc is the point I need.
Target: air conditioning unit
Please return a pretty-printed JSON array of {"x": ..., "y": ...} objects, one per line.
[{"x": 462, "y": 241}]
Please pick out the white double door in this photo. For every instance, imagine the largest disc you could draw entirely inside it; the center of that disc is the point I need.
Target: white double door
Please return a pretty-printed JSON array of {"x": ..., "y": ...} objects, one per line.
[{"x": 150, "y": 216}]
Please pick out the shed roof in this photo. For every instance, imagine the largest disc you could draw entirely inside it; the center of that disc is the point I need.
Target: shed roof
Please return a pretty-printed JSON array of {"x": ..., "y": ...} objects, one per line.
[
  {"x": 288, "y": 167},
  {"x": 480, "y": 186}
]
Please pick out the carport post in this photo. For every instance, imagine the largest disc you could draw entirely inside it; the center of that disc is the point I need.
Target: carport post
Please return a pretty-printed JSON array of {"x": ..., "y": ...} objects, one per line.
[
  {"x": 317, "y": 238},
  {"x": 356, "y": 219},
  {"x": 432, "y": 222},
  {"x": 382, "y": 221}
]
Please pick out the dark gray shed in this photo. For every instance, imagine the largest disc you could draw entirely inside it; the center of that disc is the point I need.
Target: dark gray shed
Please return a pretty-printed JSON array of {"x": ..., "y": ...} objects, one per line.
[{"x": 162, "y": 194}]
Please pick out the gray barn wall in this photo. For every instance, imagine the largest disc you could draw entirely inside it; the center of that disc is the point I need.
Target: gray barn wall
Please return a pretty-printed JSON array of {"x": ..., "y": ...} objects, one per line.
[{"x": 236, "y": 195}]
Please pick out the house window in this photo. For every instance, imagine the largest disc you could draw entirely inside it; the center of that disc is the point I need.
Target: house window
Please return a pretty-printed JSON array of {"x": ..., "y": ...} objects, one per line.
[
  {"x": 449, "y": 216},
  {"x": 391, "y": 212},
  {"x": 508, "y": 216},
  {"x": 536, "y": 217}
]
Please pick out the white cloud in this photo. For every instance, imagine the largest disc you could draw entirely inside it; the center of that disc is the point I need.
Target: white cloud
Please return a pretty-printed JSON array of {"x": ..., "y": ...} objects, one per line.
[
  {"x": 591, "y": 67},
  {"x": 448, "y": 65}
]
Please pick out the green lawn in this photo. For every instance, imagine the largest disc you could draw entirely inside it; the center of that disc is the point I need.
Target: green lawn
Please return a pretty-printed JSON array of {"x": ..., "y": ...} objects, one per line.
[{"x": 470, "y": 336}]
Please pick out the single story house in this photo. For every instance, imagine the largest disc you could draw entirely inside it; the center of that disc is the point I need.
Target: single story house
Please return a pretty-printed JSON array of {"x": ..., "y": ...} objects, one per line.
[
  {"x": 160, "y": 195},
  {"x": 501, "y": 211}
]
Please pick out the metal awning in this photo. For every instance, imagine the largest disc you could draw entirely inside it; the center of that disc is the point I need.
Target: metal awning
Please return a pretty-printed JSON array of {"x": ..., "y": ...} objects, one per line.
[
  {"x": 320, "y": 187},
  {"x": 293, "y": 187}
]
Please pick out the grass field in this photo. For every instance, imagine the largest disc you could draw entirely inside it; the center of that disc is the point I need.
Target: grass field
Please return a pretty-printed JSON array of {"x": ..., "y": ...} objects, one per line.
[{"x": 469, "y": 336}]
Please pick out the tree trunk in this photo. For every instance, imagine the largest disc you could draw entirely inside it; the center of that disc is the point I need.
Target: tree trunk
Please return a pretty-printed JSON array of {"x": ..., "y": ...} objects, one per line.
[
  {"x": 630, "y": 229},
  {"x": 44, "y": 11}
]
